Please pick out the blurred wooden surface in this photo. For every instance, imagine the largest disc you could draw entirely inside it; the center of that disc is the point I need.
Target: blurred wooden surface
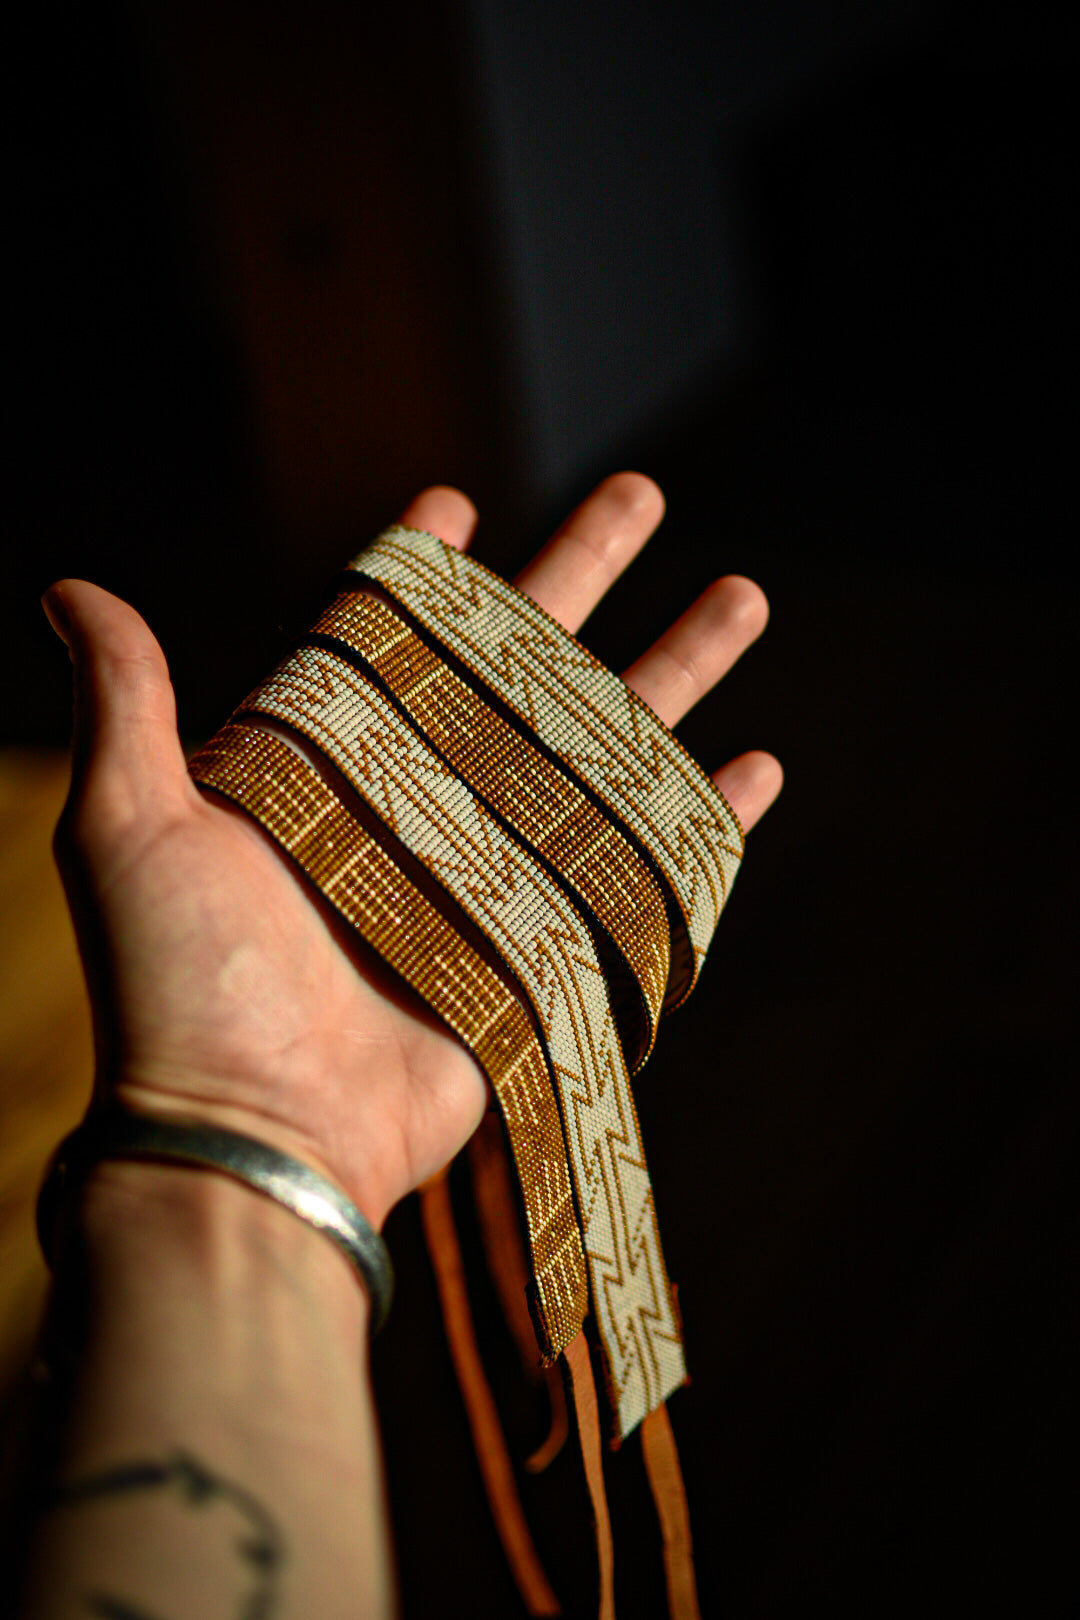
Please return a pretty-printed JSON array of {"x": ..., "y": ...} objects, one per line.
[{"x": 45, "y": 1038}]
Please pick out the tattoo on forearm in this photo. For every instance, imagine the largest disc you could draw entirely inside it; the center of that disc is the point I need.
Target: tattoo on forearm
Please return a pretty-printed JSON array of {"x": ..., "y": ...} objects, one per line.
[{"x": 258, "y": 1549}]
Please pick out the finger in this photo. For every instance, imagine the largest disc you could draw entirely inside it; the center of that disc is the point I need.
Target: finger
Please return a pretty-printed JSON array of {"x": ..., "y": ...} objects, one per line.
[
  {"x": 126, "y": 754},
  {"x": 700, "y": 647},
  {"x": 750, "y": 784},
  {"x": 444, "y": 512},
  {"x": 591, "y": 549}
]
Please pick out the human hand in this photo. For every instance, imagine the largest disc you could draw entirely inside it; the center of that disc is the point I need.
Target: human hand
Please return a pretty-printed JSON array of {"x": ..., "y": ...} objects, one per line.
[{"x": 223, "y": 987}]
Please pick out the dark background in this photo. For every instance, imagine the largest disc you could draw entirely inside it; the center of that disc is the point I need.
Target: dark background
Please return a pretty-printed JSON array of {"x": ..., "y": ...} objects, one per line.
[{"x": 278, "y": 267}]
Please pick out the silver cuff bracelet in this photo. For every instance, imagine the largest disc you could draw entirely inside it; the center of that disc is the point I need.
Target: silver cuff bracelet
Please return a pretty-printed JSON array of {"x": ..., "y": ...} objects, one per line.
[{"x": 117, "y": 1134}]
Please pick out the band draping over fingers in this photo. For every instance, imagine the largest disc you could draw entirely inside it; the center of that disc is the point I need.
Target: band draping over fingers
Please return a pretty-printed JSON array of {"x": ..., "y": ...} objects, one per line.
[
  {"x": 522, "y": 839},
  {"x": 601, "y": 730}
]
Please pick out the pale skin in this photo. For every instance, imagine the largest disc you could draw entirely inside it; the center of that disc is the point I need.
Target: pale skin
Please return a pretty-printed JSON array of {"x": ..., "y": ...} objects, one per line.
[{"x": 225, "y": 1343}]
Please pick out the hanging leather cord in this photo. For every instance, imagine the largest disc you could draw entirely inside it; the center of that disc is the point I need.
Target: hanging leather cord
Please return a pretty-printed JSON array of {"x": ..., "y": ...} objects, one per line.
[{"x": 489, "y": 1443}]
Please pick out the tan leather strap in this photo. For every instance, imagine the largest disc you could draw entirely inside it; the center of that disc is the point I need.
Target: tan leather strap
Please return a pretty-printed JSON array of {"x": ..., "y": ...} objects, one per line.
[
  {"x": 669, "y": 1494},
  {"x": 489, "y": 1443},
  {"x": 587, "y": 1412},
  {"x": 558, "y": 1430}
]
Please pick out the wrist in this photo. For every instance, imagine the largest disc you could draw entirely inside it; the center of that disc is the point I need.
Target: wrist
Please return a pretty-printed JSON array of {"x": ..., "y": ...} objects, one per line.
[{"x": 203, "y": 1233}]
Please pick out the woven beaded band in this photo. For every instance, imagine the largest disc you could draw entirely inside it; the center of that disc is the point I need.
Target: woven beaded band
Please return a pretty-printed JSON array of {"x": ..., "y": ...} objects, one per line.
[{"x": 118, "y": 1134}]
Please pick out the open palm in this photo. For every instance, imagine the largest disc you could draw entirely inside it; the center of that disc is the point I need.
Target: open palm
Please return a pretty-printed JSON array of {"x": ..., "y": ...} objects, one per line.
[{"x": 223, "y": 988}]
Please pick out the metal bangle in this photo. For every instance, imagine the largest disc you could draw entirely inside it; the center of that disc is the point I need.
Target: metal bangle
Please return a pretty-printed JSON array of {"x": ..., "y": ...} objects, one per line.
[{"x": 117, "y": 1134}]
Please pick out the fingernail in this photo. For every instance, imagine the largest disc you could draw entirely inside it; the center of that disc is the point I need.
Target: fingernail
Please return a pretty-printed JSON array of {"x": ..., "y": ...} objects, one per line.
[{"x": 57, "y": 614}]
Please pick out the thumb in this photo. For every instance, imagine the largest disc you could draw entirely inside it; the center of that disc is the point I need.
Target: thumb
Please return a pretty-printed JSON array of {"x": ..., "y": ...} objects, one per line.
[{"x": 127, "y": 762}]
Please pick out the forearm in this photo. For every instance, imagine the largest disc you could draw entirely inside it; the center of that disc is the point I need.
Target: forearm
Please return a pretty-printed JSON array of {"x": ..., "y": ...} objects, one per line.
[{"x": 221, "y": 1440}]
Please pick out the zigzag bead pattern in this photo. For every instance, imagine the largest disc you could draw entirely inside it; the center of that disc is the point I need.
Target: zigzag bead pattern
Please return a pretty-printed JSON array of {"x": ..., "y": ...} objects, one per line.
[
  {"x": 600, "y": 729},
  {"x": 549, "y": 949},
  {"x": 536, "y": 800},
  {"x": 288, "y": 797}
]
